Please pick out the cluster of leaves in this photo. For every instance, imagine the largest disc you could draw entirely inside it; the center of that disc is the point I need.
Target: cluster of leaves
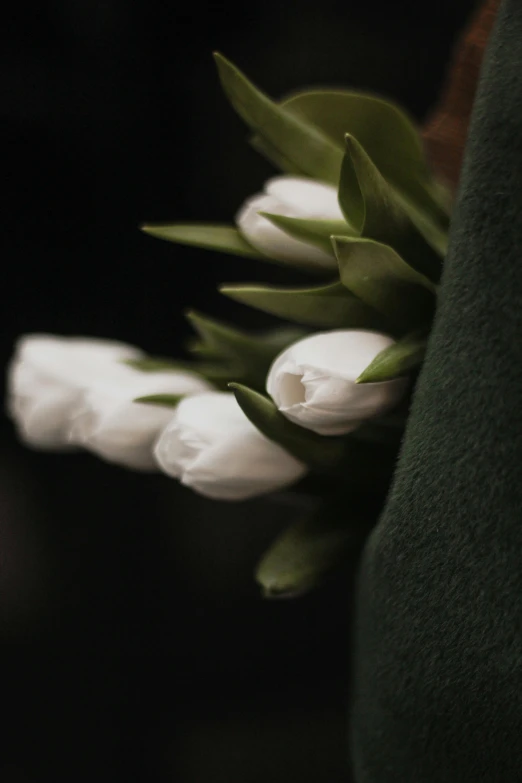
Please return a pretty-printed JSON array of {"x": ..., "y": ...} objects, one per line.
[{"x": 386, "y": 260}]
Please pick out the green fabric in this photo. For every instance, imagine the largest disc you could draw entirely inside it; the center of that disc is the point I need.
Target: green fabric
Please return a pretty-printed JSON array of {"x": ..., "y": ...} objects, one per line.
[{"x": 437, "y": 677}]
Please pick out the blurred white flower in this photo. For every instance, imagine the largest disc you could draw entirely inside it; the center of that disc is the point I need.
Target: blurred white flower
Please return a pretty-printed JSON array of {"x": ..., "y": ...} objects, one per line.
[
  {"x": 291, "y": 197},
  {"x": 46, "y": 379},
  {"x": 211, "y": 446},
  {"x": 312, "y": 382},
  {"x": 110, "y": 424}
]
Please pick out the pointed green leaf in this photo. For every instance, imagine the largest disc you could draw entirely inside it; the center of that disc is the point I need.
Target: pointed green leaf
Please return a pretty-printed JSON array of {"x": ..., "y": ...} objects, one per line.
[
  {"x": 225, "y": 239},
  {"x": 276, "y": 340},
  {"x": 201, "y": 349},
  {"x": 165, "y": 400},
  {"x": 397, "y": 360},
  {"x": 315, "y": 232},
  {"x": 228, "y": 239},
  {"x": 227, "y": 341},
  {"x": 387, "y": 133},
  {"x": 154, "y": 364},
  {"x": 329, "y": 306},
  {"x": 307, "y": 551},
  {"x": 315, "y": 450},
  {"x": 219, "y": 372},
  {"x": 379, "y": 277},
  {"x": 374, "y": 209},
  {"x": 308, "y": 148},
  {"x": 435, "y": 235},
  {"x": 253, "y": 353},
  {"x": 360, "y": 464}
]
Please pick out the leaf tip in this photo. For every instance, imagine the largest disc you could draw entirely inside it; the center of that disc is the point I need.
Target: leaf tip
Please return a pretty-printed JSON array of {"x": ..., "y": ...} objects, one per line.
[
  {"x": 222, "y": 64},
  {"x": 148, "y": 228},
  {"x": 336, "y": 239},
  {"x": 191, "y": 314},
  {"x": 162, "y": 400},
  {"x": 352, "y": 145}
]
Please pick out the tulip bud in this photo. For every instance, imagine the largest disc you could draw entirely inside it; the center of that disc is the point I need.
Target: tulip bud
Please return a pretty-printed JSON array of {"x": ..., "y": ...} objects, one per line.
[
  {"x": 46, "y": 379},
  {"x": 290, "y": 197},
  {"x": 109, "y": 423},
  {"x": 312, "y": 382},
  {"x": 211, "y": 446}
]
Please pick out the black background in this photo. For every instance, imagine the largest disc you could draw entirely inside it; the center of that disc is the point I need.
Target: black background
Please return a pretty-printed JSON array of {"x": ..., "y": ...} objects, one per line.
[{"x": 135, "y": 645}]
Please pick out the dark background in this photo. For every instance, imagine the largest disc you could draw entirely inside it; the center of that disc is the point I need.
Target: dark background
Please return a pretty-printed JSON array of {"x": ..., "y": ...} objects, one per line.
[{"x": 135, "y": 645}]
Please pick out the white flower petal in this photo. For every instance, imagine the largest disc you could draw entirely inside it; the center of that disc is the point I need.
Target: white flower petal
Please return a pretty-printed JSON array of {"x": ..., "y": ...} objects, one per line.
[
  {"x": 306, "y": 197},
  {"x": 313, "y": 381},
  {"x": 291, "y": 197},
  {"x": 271, "y": 240},
  {"x": 110, "y": 424},
  {"x": 212, "y": 447},
  {"x": 46, "y": 379}
]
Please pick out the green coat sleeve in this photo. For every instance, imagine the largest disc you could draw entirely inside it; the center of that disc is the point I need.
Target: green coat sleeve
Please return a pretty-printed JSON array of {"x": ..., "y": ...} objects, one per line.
[{"x": 437, "y": 672}]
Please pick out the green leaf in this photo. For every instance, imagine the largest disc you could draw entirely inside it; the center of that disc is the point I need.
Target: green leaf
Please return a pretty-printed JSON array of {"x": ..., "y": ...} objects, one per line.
[
  {"x": 397, "y": 360},
  {"x": 155, "y": 364},
  {"x": 359, "y": 464},
  {"x": 220, "y": 374},
  {"x": 315, "y": 232},
  {"x": 301, "y": 557},
  {"x": 225, "y": 239},
  {"x": 309, "y": 150},
  {"x": 379, "y": 277},
  {"x": 165, "y": 400},
  {"x": 250, "y": 352},
  {"x": 219, "y": 371},
  {"x": 329, "y": 306},
  {"x": 315, "y": 450},
  {"x": 201, "y": 349},
  {"x": 374, "y": 209},
  {"x": 387, "y": 133},
  {"x": 435, "y": 235},
  {"x": 275, "y": 340}
]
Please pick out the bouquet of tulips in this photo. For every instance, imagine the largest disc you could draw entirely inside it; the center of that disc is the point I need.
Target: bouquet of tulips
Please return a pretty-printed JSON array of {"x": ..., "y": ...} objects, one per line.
[{"x": 317, "y": 405}]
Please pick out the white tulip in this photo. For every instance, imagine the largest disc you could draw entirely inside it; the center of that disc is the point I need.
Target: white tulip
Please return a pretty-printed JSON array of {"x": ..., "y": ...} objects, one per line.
[
  {"x": 290, "y": 197},
  {"x": 211, "y": 446},
  {"x": 119, "y": 430},
  {"x": 46, "y": 379},
  {"x": 312, "y": 382}
]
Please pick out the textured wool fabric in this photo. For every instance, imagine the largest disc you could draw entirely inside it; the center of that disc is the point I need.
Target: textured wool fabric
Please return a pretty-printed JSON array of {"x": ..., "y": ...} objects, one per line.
[{"x": 437, "y": 677}]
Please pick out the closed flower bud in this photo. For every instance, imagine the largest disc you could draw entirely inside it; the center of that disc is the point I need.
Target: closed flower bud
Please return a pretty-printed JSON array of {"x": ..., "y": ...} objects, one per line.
[
  {"x": 110, "y": 424},
  {"x": 290, "y": 197},
  {"x": 212, "y": 447},
  {"x": 312, "y": 382},
  {"x": 46, "y": 379}
]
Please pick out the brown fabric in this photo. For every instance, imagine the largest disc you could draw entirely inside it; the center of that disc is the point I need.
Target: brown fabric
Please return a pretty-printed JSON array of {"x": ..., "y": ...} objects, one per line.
[{"x": 446, "y": 130}]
